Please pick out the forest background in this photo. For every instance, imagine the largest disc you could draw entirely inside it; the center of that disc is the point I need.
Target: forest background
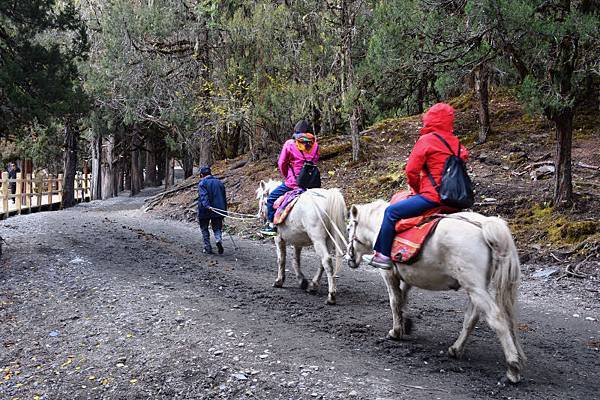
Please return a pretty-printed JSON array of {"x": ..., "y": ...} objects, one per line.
[{"x": 123, "y": 88}]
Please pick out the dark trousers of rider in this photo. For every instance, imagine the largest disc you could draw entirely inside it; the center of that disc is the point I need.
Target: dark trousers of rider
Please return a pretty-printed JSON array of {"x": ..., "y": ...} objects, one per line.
[
  {"x": 275, "y": 194},
  {"x": 408, "y": 208}
]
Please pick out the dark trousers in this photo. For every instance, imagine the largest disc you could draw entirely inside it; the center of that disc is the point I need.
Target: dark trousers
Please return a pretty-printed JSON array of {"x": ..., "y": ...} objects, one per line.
[
  {"x": 408, "y": 208},
  {"x": 217, "y": 227},
  {"x": 275, "y": 194}
]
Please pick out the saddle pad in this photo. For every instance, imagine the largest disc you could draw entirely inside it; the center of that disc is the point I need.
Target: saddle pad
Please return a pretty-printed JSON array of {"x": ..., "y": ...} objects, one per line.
[
  {"x": 284, "y": 205},
  {"x": 411, "y": 233},
  {"x": 407, "y": 245}
]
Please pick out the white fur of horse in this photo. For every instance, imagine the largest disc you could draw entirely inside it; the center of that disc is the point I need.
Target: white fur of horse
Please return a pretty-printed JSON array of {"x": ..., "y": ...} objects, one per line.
[
  {"x": 458, "y": 255},
  {"x": 303, "y": 227}
]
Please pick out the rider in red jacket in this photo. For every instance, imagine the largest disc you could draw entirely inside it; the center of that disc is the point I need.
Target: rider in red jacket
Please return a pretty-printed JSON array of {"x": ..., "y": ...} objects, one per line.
[{"x": 429, "y": 151}]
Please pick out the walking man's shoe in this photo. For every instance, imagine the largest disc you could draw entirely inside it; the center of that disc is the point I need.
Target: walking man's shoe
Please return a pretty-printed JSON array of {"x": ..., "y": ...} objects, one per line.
[
  {"x": 220, "y": 249},
  {"x": 207, "y": 251},
  {"x": 378, "y": 260},
  {"x": 269, "y": 230}
]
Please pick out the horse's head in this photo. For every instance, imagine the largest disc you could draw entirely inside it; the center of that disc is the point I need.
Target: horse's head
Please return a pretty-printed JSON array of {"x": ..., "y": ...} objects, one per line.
[
  {"x": 262, "y": 194},
  {"x": 363, "y": 226},
  {"x": 358, "y": 245}
]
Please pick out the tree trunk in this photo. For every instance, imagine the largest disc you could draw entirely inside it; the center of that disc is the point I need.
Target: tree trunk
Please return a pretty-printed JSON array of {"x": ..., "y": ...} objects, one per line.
[
  {"x": 188, "y": 165},
  {"x": 69, "y": 163},
  {"x": 561, "y": 72},
  {"x": 108, "y": 180},
  {"x": 482, "y": 79},
  {"x": 169, "y": 171},
  {"x": 96, "y": 188},
  {"x": 161, "y": 163},
  {"x": 150, "y": 163},
  {"x": 136, "y": 176},
  {"x": 206, "y": 154},
  {"x": 354, "y": 133},
  {"x": 563, "y": 188}
]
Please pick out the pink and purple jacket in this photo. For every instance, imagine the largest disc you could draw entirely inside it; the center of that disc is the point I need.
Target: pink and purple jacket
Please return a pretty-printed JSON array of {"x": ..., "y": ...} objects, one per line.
[{"x": 292, "y": 157}]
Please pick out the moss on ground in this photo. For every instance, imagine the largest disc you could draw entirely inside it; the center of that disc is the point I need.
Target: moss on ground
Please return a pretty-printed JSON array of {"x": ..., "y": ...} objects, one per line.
[{"x": 554, "y": 228}]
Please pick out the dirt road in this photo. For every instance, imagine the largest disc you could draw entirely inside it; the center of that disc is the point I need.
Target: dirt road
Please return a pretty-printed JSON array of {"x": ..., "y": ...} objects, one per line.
[{"x": 103, "y": 301}]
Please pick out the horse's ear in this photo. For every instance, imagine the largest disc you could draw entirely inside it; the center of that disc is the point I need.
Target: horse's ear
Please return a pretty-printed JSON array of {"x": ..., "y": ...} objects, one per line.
[
  {"x": 354, "y": 212},
  {"x": 262, "y": 184}
]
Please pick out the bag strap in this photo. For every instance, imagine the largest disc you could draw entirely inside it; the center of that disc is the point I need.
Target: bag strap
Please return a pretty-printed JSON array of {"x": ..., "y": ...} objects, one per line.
[
  {"x": 426, "y": 168},
  {"x": 447, "y": 145}
]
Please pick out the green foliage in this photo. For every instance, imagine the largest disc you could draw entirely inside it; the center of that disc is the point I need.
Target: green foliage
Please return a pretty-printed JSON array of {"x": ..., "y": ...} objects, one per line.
[{"x": 40, "y": 42}]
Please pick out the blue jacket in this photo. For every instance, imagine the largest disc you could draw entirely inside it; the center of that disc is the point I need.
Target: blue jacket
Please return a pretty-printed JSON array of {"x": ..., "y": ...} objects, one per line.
[{"x": 211, "y": 193}]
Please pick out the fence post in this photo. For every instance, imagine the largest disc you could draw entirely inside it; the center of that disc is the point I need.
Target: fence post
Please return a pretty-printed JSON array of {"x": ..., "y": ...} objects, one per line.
[
  {"x": 50, "y": 192},
  {"x": 5, "y": 194},
  {"x": 28, "y": 189},
  {"x": 18, "y": 199},
  {"x": 59, "y": 183},
  {"x": 38, "y": 195},
  {"x": 86, "y": 188}
]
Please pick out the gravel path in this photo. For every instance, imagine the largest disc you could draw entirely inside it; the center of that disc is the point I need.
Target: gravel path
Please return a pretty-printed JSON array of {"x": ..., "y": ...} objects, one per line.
[{"x": 103, "y": 301}]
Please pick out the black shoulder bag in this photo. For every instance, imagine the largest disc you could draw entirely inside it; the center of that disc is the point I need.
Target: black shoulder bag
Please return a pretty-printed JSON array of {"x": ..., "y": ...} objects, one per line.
[
  {"x": 309, "y": 176},
  {"x": 455, "y": 188}
]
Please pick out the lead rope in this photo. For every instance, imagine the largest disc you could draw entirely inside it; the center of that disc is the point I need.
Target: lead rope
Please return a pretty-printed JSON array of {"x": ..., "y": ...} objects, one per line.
[{"x": 246, "y": 217}]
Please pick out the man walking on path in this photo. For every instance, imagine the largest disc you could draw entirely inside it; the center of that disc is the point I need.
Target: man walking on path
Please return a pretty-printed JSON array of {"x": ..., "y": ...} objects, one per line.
[{"x": 211, "y": 195}]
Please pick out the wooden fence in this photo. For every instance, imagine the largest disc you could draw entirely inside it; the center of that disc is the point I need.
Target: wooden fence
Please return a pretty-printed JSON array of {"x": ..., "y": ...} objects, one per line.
[{"x": 27, "y": 194}]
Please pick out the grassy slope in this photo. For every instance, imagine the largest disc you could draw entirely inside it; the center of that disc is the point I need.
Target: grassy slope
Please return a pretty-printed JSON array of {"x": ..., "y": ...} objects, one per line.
[{"x": 500, "y": 169}]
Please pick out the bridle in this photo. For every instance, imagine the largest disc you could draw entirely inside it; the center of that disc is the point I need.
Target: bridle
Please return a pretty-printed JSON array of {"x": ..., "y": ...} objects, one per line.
[{"x": 353, "y": 238}]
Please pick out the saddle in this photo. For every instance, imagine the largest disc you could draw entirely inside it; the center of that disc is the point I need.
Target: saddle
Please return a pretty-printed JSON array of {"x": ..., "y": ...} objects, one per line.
[
  {"x": 412, "y": 233},
  {"x": 283, "y": 205}
]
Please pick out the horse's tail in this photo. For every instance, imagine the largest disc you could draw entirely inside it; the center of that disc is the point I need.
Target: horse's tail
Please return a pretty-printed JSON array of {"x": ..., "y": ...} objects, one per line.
[
  {"x": 505, "y": 271},
  {"x": 336, "y": 210}
]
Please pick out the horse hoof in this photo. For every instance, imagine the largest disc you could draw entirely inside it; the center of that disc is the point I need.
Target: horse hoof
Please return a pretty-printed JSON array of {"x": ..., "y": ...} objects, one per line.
[
  {"x": 304, "y": 284},
  {"x": 393, "y": 336},
  {"x": 408, "y": 326},
  {"x": 454, "y": 352},
  {"x": 312, "y": 288},
  {"x": 331, "y": 299},
  {"x": 514, "y": 372},
  {"x": 278, "y": 284}
]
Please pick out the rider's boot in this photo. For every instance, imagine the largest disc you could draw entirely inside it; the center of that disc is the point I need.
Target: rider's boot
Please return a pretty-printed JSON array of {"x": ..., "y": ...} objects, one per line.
[
  {"x": 378, "y": 260},
  {"x": 269, "y": 230}
]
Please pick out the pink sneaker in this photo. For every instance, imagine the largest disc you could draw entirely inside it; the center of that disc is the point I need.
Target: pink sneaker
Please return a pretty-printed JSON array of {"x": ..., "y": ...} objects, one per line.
[{"x": 378, "y": 260}]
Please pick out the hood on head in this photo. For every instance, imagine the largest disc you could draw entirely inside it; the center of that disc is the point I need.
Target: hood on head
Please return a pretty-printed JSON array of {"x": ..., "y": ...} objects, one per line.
[{"x": 439, "y": 118}]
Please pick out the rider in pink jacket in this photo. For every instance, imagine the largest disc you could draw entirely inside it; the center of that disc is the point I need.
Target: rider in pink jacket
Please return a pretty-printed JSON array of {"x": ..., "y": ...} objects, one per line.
[
  {"x": 302, "y": 147},
  {"x": 291, "y": 160}
]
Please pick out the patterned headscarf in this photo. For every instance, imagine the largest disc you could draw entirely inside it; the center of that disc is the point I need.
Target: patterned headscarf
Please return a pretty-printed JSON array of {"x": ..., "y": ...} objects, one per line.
[{"x": 304, "y": 141}]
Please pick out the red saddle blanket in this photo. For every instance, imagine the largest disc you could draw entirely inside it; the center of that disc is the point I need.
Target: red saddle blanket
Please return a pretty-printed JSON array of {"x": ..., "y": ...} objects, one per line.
[
  {"x": 412, "y": 233},
  {"x": 284, "y": 205}
]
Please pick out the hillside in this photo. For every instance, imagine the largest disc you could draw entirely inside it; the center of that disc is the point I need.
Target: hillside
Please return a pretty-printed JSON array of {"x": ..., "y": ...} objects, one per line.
[{"x": 501, "y": 169}]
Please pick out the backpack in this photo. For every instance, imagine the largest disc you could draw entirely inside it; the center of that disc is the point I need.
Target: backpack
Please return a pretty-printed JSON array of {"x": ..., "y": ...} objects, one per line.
[
  {"x": 455, "y": 188},
  {"x": 309, "y": 176}
]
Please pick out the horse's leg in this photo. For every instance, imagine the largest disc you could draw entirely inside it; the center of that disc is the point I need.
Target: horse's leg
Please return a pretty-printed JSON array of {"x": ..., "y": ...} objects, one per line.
[
  {"x": 281, "y": 254},
  {"x": 408, "y": 323},
  {"x": 471, "y": 319},
  {"x": 314, "y": 284},
  {"x": 299, "y": 275},
  {"x": 497, "y": 320},
  {"x": 326, "y": 264},
  {"x": 397, "y": 302}
]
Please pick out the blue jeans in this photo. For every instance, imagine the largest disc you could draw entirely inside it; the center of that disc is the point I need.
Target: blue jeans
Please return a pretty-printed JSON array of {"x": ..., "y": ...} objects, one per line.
[
  {"x": 217, "y": 227},
  {"x": 408, "y": 208},
  {"x": 275, "y": 194}
]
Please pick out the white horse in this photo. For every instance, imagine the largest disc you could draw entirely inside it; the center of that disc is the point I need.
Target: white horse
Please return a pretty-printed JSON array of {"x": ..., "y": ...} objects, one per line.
[
  {"x": 466, "y": 250},
  {"x": 318, "y": 218}
]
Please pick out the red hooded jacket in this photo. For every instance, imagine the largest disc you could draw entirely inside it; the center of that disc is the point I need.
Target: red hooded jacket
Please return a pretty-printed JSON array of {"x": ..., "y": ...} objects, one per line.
[{"x": 431, "y": 151}]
